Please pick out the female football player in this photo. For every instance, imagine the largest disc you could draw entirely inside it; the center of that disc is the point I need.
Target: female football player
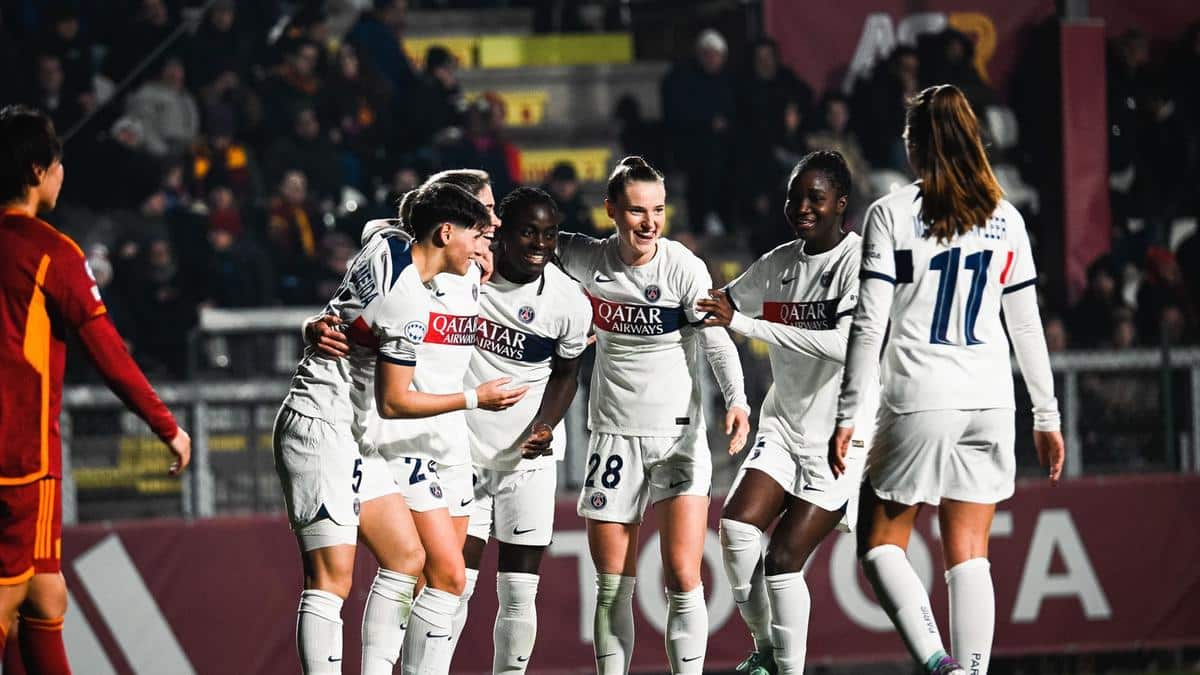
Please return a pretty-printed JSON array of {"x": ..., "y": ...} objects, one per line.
[
  {"x": 941, "y": 259},
  {"x": 805, "y": 292},
  {"x": 648, "y": 442}
]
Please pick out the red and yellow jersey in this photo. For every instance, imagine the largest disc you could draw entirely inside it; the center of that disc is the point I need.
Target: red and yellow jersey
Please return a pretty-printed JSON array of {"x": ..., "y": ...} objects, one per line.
[{"x": 46, "y": 288}]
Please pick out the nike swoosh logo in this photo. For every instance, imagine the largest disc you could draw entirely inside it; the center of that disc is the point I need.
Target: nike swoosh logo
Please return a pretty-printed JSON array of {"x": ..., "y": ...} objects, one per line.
[
  {"x": 520, "y": 532},
  {"x": 431, "y": 636},
  {"x": 680, "y": 483},
  {"x": 333, "y": 660},
  {"x": 404, "y": 626},
  {"x": 522, "y": 659},
  {"x": 691, "y": 658},
  {"x": 605, "y": 656},
  {"x": 465, "y": 502},
  {"x": 439, "y": 293},
  {"x": 603, "y": 280},
  {"x": 814, "y": 489},
  {"x": 787, "y": 281}
]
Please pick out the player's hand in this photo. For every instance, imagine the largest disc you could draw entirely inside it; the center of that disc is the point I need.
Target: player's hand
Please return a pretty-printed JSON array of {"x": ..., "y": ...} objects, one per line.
[
  {"x": 716, "y": 307},
  {"x": 492, "y": 397},
  {"x": 839, "y": 445},
  {"x": 1050, "y": 451},
  {"x": 325, "y": 335},
  {"x": 181, "y": 447},
  {"x": 737, "y": 427},
  {"x": 537, "y": 443}
]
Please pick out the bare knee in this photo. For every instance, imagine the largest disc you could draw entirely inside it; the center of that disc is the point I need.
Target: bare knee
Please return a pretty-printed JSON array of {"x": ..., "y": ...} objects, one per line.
[
  {"x": 784, "y": 559},
  {"x": 681, "y": 573},
  {"x": 47, "y": 597},
  {"x": 447, "y": 579},
  {"x": 332, "y": 574}
]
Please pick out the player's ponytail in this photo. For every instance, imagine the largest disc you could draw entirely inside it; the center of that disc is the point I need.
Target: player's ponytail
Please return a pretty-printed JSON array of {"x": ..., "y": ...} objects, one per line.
[
  {"x": 958, "y": 189},
  {"x": 632, "y": 169}
]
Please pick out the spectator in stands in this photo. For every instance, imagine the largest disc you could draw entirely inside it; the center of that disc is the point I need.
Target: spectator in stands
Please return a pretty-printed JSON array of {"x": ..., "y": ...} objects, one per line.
[
  {"x": 437, "y": 110},
  {"x": 637, "y": 135},
  {"x": 356, "y": 108},
  {"x": 167, "y": 111},
  {"x": 218, "y": 159},
  {"x": 238, "y": 274},
  {"x": 1163, "y": 292},
  {"x": 49, "y": 94},
  {"x": 1128, "y": 58},
  {"x": 334, "y": 254},
  {"x": 218, "y": 52},
  {"x": 65, "y": 40},
  {"x": 763, "y": 92},
  {"x": 1166, "y": 161},
  {"x": 132, "y": 42},
  {"x": 562, "y": 184},
  {"x": 308, "y": 150},
  {"x": 1090, "y": 322},
  {"x": 834, "y": 134},
  {"x": 163, "y": 294},
  {"x": 293, "y": 85},
  {"x": 1120, "y": 406},
  {"x": 880, "y": 103},
  {"x": 1056, "y": 333},
  {"x": 292, "y": 237},
  {"x": 377, "y": 35},
  {"x": 950, "y": 59},
  {"x": 484, "y": 147},
  {"x": 698, "y": 106},
  {"x": 123, "y": 153}
]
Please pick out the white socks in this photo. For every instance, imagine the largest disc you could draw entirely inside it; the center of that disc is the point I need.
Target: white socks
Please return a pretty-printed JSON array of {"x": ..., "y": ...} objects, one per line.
[
  {"x": 427, "y": 645},
  {"x": 905, "y": 600},
  {"x": 516, "y": 622},
  {"x": 612, "y": 625},
  {"x": 460, "y": 617},
  {"x": 972, "y": 614},
  {"x": 790, "y": 606},
  {"x": 741, "y": 548},
  {"x": 384, "y": 619},
  {"x": 319, "y": 633},
  {"x": 687, "y": 630}
]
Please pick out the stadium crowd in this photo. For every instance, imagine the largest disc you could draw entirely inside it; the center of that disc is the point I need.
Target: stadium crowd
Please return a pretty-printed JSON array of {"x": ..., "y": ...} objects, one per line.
[{"x": 237, "y": 168}]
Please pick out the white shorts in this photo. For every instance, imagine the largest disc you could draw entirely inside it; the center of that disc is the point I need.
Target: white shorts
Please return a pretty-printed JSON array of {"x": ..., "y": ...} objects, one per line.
[
  {"x": 625, "y": 473},
  {"x": 930, "y": 455},
  {"x": 321, "y": 471},
  {"x": 807, "y": 477},
  {"x": 515, "y": 507},
  {"x": 428, "y": 486}
]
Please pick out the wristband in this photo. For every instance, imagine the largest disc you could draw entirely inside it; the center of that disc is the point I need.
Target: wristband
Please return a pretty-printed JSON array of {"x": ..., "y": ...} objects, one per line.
[{"x": 472, "y": 399}]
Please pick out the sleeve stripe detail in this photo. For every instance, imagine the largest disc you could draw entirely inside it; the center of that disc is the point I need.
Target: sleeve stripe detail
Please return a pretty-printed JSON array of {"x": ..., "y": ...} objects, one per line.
[
  {"x": 1016, "y": 287},
  {"x": 846, "y": 312},
  {"x": 399, "y": 362},
  {"x": 868, "y": 274}
]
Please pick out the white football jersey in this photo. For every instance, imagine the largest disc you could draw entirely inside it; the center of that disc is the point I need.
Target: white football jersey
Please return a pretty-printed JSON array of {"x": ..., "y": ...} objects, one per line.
[
  {"x": 520, "y": 328},
  {"x": 384, "y": 307},
  {"x": 646, "y": 378},
  {"x": 947, "y": 348},
  {"x": 812, "y": 293},
  {"x": 441, "y": 365}
]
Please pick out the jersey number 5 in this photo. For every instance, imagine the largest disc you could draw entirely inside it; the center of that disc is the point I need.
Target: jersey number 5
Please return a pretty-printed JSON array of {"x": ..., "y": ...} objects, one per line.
[{"x": 946, "y": 262}]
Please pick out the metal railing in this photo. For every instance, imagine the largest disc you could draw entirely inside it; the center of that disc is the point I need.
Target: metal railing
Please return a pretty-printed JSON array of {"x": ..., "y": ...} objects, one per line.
[{"x": 230, "y": 423}]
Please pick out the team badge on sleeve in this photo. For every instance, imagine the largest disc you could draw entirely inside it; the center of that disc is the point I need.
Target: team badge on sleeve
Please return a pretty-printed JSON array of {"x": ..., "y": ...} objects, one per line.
[
  {"x": 653, "y": 293},
  {"x": 525, "y": 314},
  {"x": 827, "y": 278},
  {"x": 415, "y": 330}
]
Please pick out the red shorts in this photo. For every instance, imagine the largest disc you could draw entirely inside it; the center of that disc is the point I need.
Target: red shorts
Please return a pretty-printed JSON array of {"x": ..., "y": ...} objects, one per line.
[{"x": 30, "y": 530}]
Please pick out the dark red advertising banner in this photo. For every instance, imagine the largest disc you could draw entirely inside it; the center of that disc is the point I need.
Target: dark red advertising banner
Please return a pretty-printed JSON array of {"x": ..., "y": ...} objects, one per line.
[{"x": 1095, "y": 564}]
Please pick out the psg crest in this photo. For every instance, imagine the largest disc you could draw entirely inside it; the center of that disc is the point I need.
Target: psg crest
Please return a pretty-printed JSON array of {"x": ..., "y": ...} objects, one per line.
[
  {"x": 525, "y": 314},
  {"x": 357, "y": 506},
  {"x": 474, "y": 291},
  {"x": 652, "y": 293},
  {"x": 827, "y": 278},
  {"x": 598, "y": 500},
  {"x": 435, "y": 490}
]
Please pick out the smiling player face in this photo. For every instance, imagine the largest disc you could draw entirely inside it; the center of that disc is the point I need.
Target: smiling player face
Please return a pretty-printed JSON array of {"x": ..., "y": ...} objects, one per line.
[
  {"x": 528, "y": 240},
  {"x": 813, "y": 207},
  {"x": 639, "y": 215}
]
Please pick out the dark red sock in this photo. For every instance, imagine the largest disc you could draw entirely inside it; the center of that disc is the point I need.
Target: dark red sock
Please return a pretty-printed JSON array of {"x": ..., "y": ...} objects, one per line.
[
  {"x": 42, "y": 646},
  {"x": 13, "y": 665}
]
